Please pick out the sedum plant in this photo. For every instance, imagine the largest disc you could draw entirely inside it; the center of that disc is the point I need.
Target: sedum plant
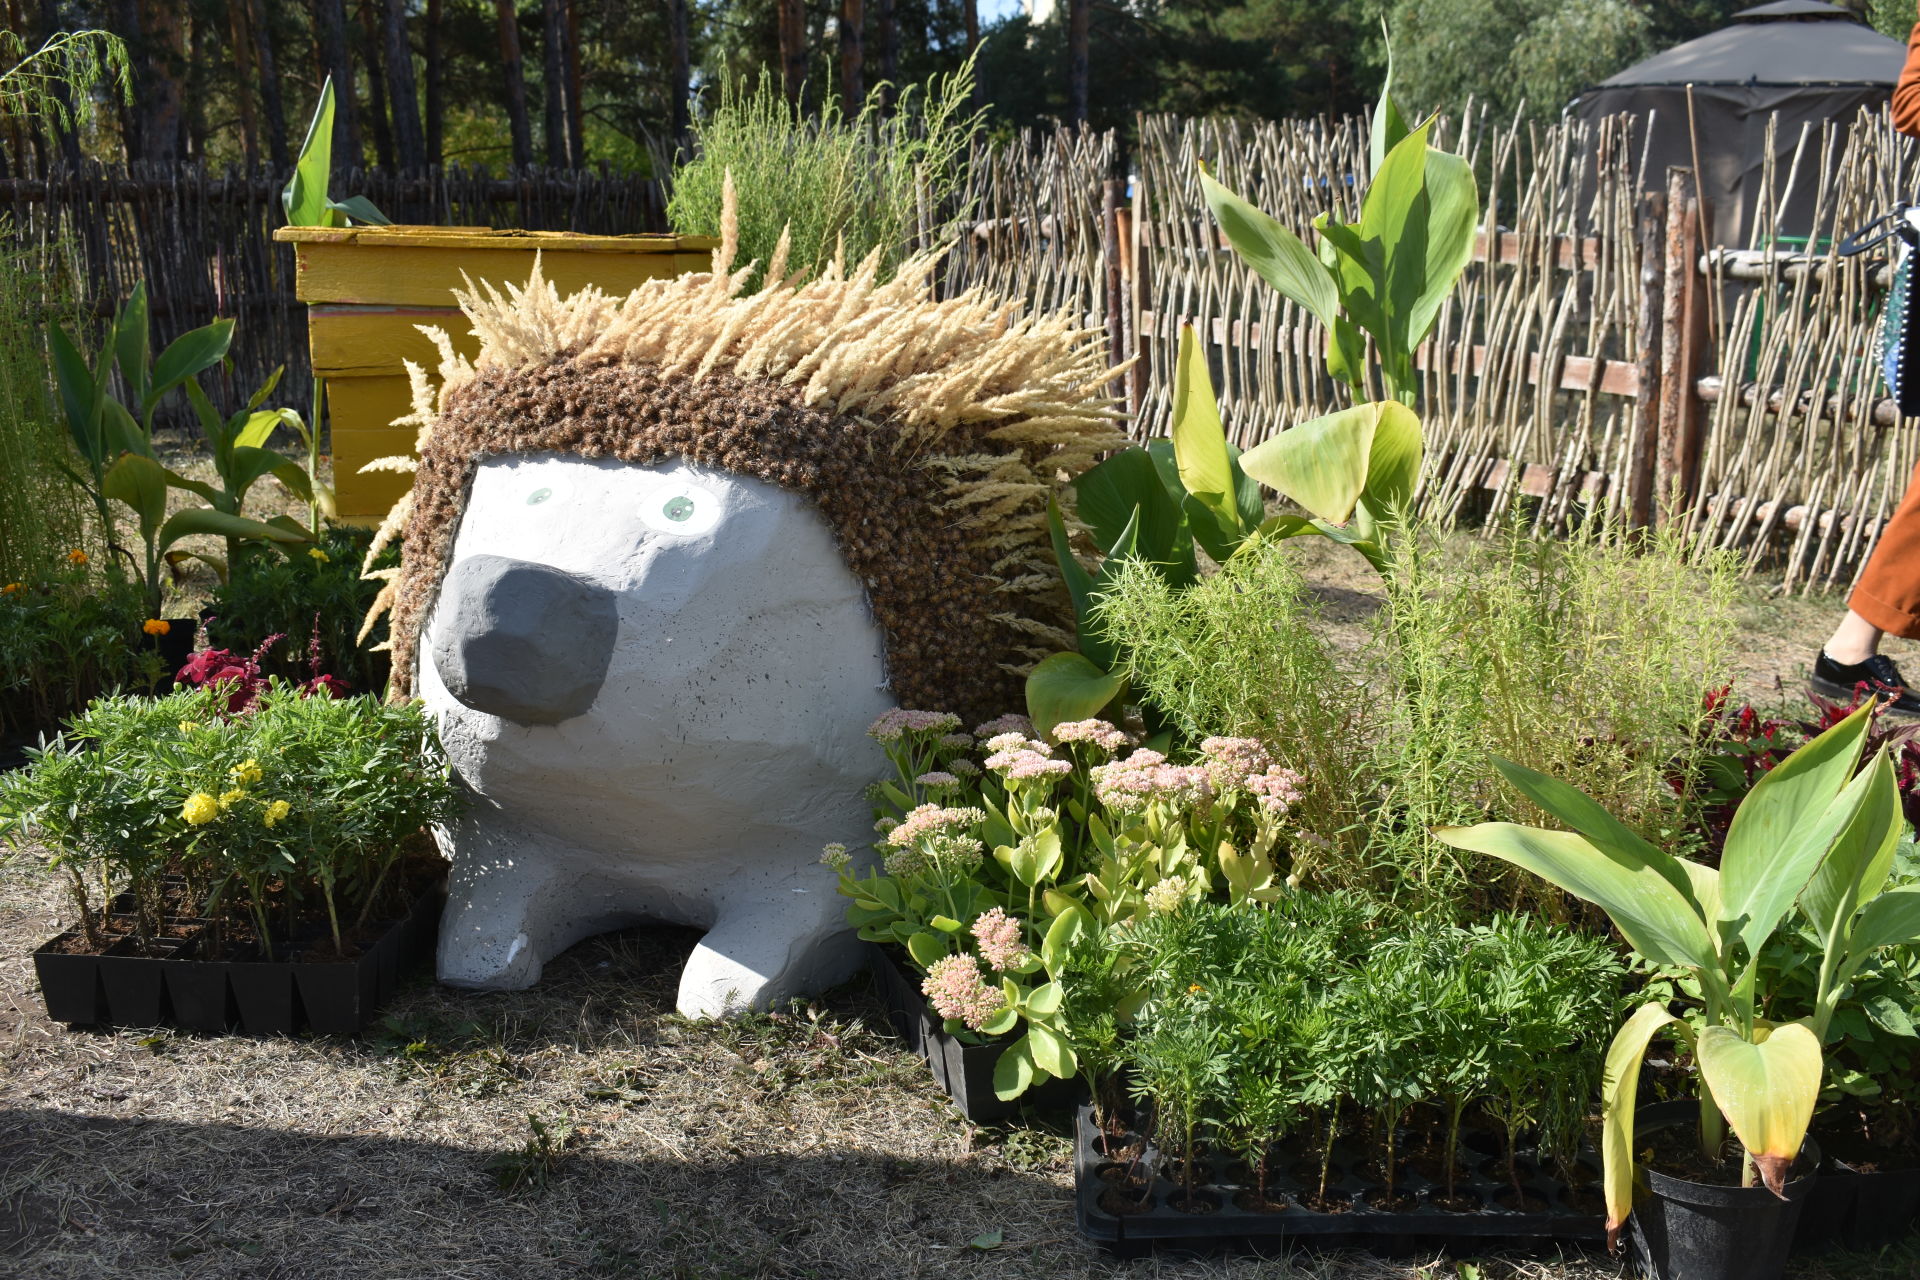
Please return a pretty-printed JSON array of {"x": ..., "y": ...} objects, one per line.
[{"x": 1817, "y": 836}]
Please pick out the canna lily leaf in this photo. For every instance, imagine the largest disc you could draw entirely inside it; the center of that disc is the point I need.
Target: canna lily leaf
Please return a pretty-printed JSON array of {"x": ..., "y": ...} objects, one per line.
[
  {"x": 1889, "y": 920},
  {"x": 305, "y": 197},
  {"x": 1199, "y": 441},
  {"x": 1784, "y": 828},
  {"x": 1856, "y": 870},
  {"x": 132, "y": 329},
  {"x": 1659, "y": 920},
  {"x": 1276, "y": 254},
  {"x": 1766, "y": 1087},
  {"x": 1321, "y": 464},
  {"x": 1619, "y": 1094},
  {"x": 1068, "y": 686},
  {"x": 1389, "y": 126},
  {"x": 140, "y": 483},
  {"x": 206, "y": 520}
]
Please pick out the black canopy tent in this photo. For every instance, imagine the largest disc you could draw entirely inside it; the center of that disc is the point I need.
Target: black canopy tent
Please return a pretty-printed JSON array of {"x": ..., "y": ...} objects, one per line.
[{"x": 1803, "y": 62}]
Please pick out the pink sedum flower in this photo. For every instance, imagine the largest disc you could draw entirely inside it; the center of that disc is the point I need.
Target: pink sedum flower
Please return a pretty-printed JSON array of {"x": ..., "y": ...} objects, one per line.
[
  {"x": 938, "y": 780},
  {"x": 1230, "y": 762},
  {"x": 1143, "y": 778},
  {"x": 1005, "y": 724},
  {"x": 1000, "y": 942},
  {"x": 1276, "y": 790},
  {"x": 1095, "y": 733},
  {"x": 957, "y": 989},
  {"x": 898, "y": 723}
]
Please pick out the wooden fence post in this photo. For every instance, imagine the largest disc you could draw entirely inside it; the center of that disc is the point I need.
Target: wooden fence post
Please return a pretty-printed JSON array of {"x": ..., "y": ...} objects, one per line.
[
  {"x": 1644, "y": 453},
  {"x": 1684, "y": 345},
  {"x": 1110, "y": 256}
]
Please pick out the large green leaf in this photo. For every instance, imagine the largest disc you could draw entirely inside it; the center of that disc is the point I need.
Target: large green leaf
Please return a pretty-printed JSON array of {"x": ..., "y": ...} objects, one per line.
[
  {"x": 1199, "y": 441},
  {"x": 1321, "y": 464},
  {"x": 1619, "y": 1096},
  {"x": 258, "y": 427},
  {"x": 1109, "y": 495},
  {"x": 1856, "y": 869},
  {"x": 1889, "y": 920},
  {"x": 80, "y": 396},
  {"x": 248, "y": 465},
  {"x": 360, "y": 209},
  {"x": 1276, "y": 254},
  {"x": 1389, "y": 126},
  {"x": 1079, "y": 581},
  {"x": 1453, "y": 216},
  {"x": 1393, "y": 238},
  {"x": 1766, "y": 1087},
  {"x": 1393, "y": 460},
  {"x": 119, "y": 433},
  {"x": 140, "y": 483},
  {"x": 131, "y": 328},
  {"x": 1585, "y": 815},
  {"x": 194, "y": 520},
  {"x": 1785, "y": 826},
  {"x": 1067, "y": 686},
  {"x": 191, "y": 353},
  {"x": 305, "y": 197},
  {"x": 1050, "y": 1050},
  {"x": 1014, "y": 1071},
  {"x": 1660, "y": 921}
]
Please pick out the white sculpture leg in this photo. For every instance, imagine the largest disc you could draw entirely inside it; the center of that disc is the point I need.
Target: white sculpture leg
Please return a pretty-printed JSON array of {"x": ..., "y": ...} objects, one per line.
[
  {"x": 755, "y": 959},
  {"x": 514, "y": 898}
]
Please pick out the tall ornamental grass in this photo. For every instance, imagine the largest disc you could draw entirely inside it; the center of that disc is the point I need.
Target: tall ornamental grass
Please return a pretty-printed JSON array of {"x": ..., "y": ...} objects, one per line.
[
  {"x": 1587, "y": 659},
  {"x": 834, "y": 180},
  {"x": 41, "y": 512}
]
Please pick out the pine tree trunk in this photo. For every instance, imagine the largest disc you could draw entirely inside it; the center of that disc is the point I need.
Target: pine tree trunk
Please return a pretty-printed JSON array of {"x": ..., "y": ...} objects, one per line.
[
  {"x": 889, "y": 54},
  {"x": 1078, "y": 12},
  {"x": 409, "y": 142},
  {"x": 576, "y": 102},
  {"x": 330, "y": 31},
  {"x": 436, "y": 91},
  {"x": 554, "y": 82},
  {"x": 682, "y": 71},
  {"x": 239, "y": 20},
  {"x": 271, "y": 105},
  {"x": 508, "y": 20},
  {"x": 793, "y": 48},
  {"x": 159, "y": 93},
  {"x": 376, "y": 84},
  {"x": 853, "y": 56}
]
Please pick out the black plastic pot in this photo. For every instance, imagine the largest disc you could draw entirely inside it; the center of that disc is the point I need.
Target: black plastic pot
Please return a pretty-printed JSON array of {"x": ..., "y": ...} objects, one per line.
[
  {"x": 69, "y": 981},
  {"x": 963, "y": 1071},
  {"x": 259, "y": 997},
  {"x": 1686, "y": 1230},
  {"x": 134, "y": 979},
  {"x": 1424, "y": 1226}
]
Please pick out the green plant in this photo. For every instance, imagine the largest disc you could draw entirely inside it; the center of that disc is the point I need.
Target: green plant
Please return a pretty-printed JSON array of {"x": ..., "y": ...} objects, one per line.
[
  {"x": 306, "y": 595},
  {"x": 533, "y": 1166},
  {"x": 62, "y": 83},
  {"x": 65, "y": 639},
  {"x": 241, "y": 459},
  {"x": 301, "y": 810},
  {"x": 115, "y": 441},
  {"x": 1818, "y": 835},
  {"x": 832, "y": 185},
  {"x": 41, "y": 514}
]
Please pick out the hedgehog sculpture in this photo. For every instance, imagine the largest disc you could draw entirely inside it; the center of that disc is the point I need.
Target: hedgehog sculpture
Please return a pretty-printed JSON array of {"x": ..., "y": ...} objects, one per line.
[{"x": 667, "y": 556}]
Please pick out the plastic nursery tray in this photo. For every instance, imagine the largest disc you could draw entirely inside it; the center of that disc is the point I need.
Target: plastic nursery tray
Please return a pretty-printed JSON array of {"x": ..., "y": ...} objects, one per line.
[
  {"x": 1424, "y": 1228},
  {"x": 964, "y": 1072},
  {"x": 259, "y": 997}
]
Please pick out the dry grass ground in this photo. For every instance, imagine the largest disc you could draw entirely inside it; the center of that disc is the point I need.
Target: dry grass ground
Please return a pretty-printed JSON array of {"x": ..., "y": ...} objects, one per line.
[{"x": 804, "y": 1144}]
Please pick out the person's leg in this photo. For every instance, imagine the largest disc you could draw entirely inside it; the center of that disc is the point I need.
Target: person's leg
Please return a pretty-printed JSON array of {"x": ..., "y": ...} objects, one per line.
[
  {"x": 1854, "y": 640},
  {"x": 1886, "y": 601}
]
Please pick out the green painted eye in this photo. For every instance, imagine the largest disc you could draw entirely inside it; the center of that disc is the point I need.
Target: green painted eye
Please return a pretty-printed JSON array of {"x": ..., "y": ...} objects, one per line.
[
  {"x": 679, "y": 510},
  {"x": 538, "y": 496}
]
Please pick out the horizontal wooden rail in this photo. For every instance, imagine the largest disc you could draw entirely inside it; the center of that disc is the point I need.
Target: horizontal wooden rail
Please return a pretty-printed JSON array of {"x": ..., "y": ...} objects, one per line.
[{"x": 1571, "y": 253}]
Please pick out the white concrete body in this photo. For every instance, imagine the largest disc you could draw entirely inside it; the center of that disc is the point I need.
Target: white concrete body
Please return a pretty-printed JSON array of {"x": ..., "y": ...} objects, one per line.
[{"x": 725, "y": 747}]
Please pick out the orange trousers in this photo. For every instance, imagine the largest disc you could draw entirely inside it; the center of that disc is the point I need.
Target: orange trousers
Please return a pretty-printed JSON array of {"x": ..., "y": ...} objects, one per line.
[{"x": 1888, "y": 593}]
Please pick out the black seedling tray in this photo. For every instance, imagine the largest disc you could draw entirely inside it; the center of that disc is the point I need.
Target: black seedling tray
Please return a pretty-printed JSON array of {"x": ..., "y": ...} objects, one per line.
[
  {"x": 1423, "y": 1228},
  {"x": 963, "y": 1071},
  {"x": 260, "y": 997}
]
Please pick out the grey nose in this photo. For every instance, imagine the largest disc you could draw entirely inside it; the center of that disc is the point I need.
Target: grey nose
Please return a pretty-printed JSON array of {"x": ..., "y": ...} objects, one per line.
[{"x": 523, "y": 641}]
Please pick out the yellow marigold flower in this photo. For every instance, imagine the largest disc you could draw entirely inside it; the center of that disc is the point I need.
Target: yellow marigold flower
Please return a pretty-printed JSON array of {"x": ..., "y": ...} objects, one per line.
[
  {"x": 76, "y": 556},
  {"x": 200, "y": 809},
  {"x": 229, "y": 798},
  {"x": 319, "y": 555},
  {"x": 246, "y": 773},
  {"x": 274, "y": 813},
  {"x": 13, "y": 588},
  {"x": 188, "y": 726},
  {"x": 156, "y": 626}
]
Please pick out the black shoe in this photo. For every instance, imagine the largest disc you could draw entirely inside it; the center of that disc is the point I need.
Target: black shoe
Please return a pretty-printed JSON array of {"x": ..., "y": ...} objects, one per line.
[{"x": 1850, "y": 683}]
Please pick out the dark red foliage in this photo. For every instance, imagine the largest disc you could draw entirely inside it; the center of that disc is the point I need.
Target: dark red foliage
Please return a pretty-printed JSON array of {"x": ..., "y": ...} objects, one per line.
[{"x": 224, "y": 667}]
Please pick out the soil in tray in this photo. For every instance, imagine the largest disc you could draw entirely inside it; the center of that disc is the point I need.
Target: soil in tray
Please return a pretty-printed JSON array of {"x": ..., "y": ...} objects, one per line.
[
  {"x": 1379, "y": 1201},
  {"x": 1847, "y": 1136},
  {"x": 1459, "y": 1202},
  {"x": 1249, "y": 1201},
  {"x": 1199, "y": 1203},
  {"x": 1122, "y": 1203},
  {"x": 1523, "y": 1201},
  {"x": 1584, "y": 1200},
  {"x": 1332, "y": 1202}
]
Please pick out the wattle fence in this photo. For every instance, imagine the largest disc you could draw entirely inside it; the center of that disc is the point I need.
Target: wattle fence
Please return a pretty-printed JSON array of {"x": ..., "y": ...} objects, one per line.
[{"x": 1597, "y": 354}]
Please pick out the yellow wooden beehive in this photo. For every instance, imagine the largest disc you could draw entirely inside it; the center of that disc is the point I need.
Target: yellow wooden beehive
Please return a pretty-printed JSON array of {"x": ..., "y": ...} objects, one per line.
[{"x": 368, "y": 288}]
